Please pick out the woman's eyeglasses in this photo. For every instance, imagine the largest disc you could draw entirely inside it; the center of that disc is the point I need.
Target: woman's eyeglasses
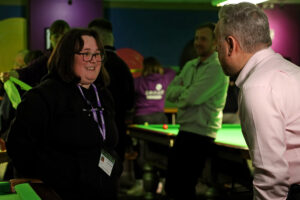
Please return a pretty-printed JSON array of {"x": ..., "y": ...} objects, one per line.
[{"x": 87, "y": 56}]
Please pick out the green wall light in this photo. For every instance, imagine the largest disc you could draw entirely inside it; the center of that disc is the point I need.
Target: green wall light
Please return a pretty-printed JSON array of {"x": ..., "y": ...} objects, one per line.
[{"x": 224, "y": 2}]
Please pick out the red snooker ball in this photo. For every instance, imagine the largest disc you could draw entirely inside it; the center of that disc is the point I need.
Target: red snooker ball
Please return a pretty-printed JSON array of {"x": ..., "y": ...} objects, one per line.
[{"x": 165, "y": 126}]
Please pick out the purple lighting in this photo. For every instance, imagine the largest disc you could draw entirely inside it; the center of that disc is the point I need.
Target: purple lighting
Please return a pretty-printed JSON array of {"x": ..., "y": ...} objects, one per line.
[
  {"x": 284, "y": 21},
  {"x": 43, "y": 12}
]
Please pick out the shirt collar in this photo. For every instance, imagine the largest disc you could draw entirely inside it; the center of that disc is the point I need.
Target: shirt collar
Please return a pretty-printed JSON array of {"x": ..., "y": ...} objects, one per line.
[{"x": 252, "y": 64}]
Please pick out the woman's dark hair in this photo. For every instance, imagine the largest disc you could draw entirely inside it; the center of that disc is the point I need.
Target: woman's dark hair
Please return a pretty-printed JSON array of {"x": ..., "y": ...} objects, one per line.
[
  {"x": 151, "y": 66},
  {"x": 61, "y": 61}
]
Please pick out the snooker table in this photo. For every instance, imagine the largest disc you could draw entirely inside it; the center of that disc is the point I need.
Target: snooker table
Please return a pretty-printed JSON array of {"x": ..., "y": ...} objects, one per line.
[
  {"x": 157, "y": 141},
  {"x": 27, "y": 191},
  {"x": 229, "y": 135}
]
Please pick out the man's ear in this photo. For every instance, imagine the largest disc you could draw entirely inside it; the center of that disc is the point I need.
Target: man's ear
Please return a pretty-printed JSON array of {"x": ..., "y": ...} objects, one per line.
[{"x": 230, "y": 44}]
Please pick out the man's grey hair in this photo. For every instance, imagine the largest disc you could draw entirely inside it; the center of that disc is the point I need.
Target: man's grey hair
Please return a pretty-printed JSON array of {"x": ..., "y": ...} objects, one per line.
[{"x": 248, "y": 23}]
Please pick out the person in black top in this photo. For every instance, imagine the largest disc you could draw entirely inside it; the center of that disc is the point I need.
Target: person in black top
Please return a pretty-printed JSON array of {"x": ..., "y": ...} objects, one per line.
[
  {"x": 121, "y": 81},
  {"x": 33, "y": 73},
  {"x": 35, "y": 70},
  {"x": 230, "y": 111},
  {"x": 64, "y": 132}
]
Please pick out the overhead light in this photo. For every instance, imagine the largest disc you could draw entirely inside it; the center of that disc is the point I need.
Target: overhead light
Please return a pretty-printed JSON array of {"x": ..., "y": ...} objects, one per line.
[{"x": 224, "y": 2}]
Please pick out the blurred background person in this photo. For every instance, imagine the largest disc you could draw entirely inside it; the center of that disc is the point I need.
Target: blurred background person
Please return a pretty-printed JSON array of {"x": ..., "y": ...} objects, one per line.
[
  {"x": 7, "y": 112},
  {"x": 199, "y": 92},
  {"x": 19, "y": 59},
  {"x": 31, "y": 56},
  {"x": 121, "y": 82},
  {"x": 11, "y": 95},
  {"x": 150, "y": 92},
  {"x": 34, "y": 68},
  {"x": 33, "y": 73}
]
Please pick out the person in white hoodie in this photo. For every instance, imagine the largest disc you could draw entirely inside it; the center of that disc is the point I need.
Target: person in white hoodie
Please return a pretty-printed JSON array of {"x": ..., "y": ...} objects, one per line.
[{"x": 268, "y": 102}]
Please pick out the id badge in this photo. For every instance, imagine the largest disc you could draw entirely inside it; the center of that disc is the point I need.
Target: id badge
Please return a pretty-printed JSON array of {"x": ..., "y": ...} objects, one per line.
[{"x": 106, "y": 162}]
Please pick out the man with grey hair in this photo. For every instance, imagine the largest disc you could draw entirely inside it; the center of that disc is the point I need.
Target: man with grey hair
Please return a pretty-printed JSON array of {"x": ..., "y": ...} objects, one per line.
[{"x": 268, "y": 101}]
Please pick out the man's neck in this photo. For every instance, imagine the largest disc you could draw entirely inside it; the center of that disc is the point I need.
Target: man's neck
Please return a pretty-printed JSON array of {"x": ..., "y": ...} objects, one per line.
[
  {"x": 203, "y": 58},
  {"x": 243, "y": 60}
]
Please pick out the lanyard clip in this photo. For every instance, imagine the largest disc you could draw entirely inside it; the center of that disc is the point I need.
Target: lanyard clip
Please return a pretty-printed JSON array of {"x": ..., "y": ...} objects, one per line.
[
  {"x": 100, "y": 108},
  {"x": 93, "y": 109}
]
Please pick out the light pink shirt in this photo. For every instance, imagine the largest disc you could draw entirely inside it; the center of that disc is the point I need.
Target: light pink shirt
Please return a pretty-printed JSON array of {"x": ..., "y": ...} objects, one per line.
[{"x": 269, "y": 105}]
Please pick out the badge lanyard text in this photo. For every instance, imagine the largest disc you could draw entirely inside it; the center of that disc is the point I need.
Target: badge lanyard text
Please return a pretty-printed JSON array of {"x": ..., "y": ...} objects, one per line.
[{"x": 94, "y": 111}]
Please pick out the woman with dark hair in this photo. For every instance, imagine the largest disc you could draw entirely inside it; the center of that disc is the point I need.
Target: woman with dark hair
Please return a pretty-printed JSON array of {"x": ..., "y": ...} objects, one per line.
[{"x": 64, "y": 132}]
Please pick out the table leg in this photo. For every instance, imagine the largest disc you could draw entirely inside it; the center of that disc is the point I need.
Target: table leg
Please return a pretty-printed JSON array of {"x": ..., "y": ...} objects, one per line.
[
  {"x": 150, "y": 180},
  {"x": 173, "y": 118}
]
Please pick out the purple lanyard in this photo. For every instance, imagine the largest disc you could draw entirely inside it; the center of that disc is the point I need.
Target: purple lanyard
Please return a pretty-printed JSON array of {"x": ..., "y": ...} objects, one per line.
[{"x": 94, "y": 110}]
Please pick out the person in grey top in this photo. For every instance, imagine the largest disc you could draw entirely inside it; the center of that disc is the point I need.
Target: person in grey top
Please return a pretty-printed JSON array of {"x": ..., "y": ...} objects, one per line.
[{"x": 199, "y": 92}]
